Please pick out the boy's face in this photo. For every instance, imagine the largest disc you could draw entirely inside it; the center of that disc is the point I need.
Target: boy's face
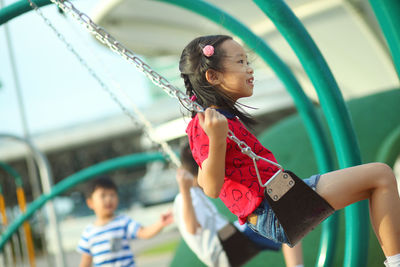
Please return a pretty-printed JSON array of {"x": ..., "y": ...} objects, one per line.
[{"x": 103, "y": 202}]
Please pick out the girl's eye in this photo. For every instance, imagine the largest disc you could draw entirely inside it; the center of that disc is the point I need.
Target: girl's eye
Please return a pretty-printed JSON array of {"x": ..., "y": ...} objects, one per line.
[{"x": 242, "y": 61}]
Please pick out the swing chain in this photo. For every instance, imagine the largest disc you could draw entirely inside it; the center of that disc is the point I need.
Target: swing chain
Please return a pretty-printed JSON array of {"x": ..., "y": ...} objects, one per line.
[
  {"x": 103, "y": 36},
  {"x": 149, "y": 131},
  {"x": 245, "y": 149}
]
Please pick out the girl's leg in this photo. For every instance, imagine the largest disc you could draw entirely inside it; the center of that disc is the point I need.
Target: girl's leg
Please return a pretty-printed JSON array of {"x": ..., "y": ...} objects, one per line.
[
  {"x": 375, "y": 182},
  {"x": 293, "y": 256}
]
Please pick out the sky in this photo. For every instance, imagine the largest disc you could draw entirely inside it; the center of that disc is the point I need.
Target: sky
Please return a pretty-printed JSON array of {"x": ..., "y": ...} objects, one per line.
[{"x": 57, "y": 91}]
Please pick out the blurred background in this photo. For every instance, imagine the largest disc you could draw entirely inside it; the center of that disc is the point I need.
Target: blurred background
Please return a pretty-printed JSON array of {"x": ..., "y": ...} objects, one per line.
[{"x": 48, "y": 97}]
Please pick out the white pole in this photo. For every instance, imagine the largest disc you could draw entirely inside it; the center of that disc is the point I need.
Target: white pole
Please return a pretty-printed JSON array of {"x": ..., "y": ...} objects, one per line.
[{"x": 44, "y": 167}]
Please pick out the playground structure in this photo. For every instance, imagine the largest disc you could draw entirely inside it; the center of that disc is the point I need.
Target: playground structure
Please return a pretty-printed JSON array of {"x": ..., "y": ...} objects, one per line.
[
  {"x": 331, "y": 102},
  {"x": 22, "y": 204}
]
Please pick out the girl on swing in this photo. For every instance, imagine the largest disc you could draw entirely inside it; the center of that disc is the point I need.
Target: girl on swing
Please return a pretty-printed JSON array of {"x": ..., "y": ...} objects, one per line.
[{"x": 216, "y": 73}]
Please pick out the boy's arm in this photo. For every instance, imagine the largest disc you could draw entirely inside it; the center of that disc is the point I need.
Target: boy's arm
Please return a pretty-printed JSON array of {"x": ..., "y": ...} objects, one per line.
[
  {"x": 211, "y": 175},
  {"x": 146, "y": 232},
  {"x": 185, "y": 181},
  {"x": 86, "y": 260}
]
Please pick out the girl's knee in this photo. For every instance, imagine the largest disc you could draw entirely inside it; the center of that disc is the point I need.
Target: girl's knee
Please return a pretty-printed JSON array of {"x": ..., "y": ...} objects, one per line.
[{"x": 385, "y": 175}]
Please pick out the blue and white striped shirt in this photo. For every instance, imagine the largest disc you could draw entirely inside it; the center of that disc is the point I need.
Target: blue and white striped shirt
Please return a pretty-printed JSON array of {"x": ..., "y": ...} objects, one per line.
[{"x": 109, "y": 244}]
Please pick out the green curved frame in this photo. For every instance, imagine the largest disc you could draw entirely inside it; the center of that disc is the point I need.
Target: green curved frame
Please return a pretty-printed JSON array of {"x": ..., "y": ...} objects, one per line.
[
  {"x": 390, "y": 148},
  {"x": 10, "y": 170},
  {"x": 18, "y": 8},
  {"x": 336, "y": 114},
  {"x": 77, "y": 178},
  {"x": 387, "y": 12}
]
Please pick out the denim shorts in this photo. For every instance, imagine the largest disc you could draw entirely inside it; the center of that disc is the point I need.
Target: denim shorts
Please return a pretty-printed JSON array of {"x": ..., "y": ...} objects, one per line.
[
  {"x": 267, "y": 224},
  {"x": 258, "y": 240}
]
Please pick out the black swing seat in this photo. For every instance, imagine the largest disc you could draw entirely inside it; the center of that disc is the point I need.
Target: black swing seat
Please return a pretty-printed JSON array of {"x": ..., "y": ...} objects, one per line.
[
  {"x": 298, "y": 208},
  {"x": 238, "y": 248}
]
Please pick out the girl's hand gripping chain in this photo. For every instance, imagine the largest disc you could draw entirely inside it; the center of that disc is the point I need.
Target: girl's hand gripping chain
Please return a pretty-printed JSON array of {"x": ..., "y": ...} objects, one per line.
[
  {"x": 211, "y": 175},
  {"x": 214, "y": 124}
]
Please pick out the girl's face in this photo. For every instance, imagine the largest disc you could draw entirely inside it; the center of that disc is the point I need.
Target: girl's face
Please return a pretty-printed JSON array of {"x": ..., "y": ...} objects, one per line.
[{"x": 237, "y": 77}]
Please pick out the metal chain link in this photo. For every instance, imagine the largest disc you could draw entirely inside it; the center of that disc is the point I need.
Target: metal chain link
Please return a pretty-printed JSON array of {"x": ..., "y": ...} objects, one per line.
[{"x": 103, "y": 36}]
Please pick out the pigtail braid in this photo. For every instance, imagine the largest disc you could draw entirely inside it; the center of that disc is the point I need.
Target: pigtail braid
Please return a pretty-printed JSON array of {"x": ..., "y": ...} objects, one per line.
[
  {"x": 188, "y": 85},
  {"x": 189, "y": 88}
]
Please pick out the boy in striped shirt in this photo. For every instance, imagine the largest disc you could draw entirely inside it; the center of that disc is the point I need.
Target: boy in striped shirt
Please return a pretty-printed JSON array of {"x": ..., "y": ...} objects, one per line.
[{"x": 106, "y": 241}]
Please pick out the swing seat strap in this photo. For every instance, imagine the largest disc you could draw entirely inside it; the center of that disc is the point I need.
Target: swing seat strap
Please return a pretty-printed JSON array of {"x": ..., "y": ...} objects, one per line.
[{"x": 298, "y": 208}]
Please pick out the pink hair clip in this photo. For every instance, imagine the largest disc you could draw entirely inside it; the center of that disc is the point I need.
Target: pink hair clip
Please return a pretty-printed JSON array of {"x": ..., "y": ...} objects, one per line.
[
  {"x": 208, "y": 50},
  {"x": 193, "y": 97}
]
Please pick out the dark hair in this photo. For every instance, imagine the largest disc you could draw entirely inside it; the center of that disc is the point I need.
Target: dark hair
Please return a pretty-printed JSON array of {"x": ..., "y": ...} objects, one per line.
[
  {"x": 193, "y": 65},
  {"x": 187, "y": 159},
  {"x": 101, "y": 182}
]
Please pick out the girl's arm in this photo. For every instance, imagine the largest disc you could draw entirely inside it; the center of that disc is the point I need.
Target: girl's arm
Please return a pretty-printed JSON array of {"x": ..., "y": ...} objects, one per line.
[{"x": 211, "y": 175}]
